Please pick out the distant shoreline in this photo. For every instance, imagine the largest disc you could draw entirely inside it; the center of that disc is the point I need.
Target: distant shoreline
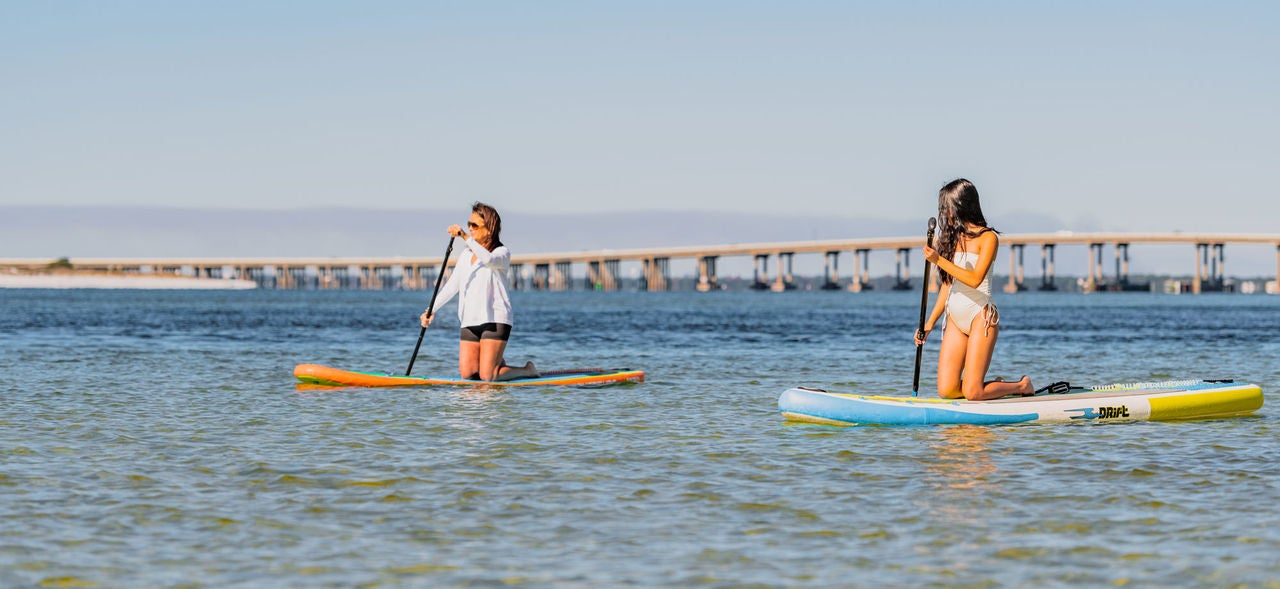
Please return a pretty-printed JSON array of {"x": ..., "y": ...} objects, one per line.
[{"x": 96, "y": 280}]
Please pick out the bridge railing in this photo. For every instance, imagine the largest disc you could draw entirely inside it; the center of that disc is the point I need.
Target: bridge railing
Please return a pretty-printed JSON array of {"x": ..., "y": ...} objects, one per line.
[{"x": 602, "y": 267}]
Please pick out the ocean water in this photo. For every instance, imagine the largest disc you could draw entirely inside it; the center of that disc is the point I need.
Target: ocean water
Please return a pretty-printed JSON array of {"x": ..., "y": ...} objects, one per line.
[{"x": 157, "y": 439}]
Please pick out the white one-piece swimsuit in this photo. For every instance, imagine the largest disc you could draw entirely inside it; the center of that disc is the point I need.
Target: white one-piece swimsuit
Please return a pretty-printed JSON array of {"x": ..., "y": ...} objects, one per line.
[{"x": 965, "y": 302}]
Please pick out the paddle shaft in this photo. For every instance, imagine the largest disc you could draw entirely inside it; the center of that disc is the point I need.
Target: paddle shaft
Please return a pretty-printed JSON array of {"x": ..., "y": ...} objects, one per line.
[
  {"x": 924, "y": 302},
  {"x": 443, "y": 264}
]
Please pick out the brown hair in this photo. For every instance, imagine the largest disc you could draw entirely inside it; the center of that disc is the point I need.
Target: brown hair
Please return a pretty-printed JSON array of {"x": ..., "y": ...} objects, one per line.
[
  {"x": 958, "y": 207},
  {"x": 492, "y": 222}
]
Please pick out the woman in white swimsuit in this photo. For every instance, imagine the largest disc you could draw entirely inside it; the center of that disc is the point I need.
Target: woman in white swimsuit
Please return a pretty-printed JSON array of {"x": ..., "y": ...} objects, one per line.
[
  {"x": 966, "y": 251},
  {"x": 484, "y": 309}
]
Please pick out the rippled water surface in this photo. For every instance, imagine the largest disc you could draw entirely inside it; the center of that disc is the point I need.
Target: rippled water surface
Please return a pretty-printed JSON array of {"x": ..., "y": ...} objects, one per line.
[{"x": 156, "y": 439}]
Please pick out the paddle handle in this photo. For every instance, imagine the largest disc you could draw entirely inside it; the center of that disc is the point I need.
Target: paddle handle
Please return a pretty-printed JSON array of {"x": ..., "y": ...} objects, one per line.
[
  {"x": 924, "y": 302},
  {"x": 443, "y": 264}
]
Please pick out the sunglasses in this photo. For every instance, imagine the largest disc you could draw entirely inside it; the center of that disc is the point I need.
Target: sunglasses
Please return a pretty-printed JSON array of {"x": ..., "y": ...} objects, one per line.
[{"x": 473, "y": 225}]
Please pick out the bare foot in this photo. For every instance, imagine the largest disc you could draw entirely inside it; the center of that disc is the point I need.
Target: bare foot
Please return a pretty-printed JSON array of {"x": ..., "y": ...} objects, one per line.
[
  {"x": 1025, "y": 388},
  {"x": 511, "y": 372}
]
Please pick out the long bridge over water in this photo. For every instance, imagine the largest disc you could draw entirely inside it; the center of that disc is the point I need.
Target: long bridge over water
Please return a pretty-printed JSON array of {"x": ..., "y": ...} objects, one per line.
[{"x": 554, "y": 271}]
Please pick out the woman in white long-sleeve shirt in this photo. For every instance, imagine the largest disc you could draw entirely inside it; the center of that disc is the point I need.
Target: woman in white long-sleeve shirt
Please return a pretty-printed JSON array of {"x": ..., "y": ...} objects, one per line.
[{"x": 484, "y": 308}]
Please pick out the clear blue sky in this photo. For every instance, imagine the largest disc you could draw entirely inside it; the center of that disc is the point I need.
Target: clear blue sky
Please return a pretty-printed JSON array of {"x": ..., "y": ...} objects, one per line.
[{"x": 1105, "y": 115}]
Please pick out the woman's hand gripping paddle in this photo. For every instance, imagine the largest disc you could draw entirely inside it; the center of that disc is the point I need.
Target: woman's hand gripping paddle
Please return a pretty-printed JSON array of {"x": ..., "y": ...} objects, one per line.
[
  {"x": 443, "y": 264},
  {"x": 924, "y": 301}
]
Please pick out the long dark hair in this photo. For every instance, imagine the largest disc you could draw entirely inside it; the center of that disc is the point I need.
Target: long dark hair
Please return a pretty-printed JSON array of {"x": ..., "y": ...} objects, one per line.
[
  {"x": 958, "y": 207},
  {"x": 492, "y": 222}
]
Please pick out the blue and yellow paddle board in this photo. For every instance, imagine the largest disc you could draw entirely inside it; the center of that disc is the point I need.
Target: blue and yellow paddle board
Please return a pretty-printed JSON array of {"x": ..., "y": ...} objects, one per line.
[{"x": 1145, "y": 401}]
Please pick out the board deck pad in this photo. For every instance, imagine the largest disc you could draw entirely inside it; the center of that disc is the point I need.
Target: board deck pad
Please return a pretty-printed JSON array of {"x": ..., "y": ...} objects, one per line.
[{"x": 325, "y": 376}]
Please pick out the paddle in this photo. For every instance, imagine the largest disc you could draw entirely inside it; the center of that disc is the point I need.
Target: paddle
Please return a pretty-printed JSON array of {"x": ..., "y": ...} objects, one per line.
[
  {"x": 443, "y": 264},
  {"x": 924, "y": 301}
]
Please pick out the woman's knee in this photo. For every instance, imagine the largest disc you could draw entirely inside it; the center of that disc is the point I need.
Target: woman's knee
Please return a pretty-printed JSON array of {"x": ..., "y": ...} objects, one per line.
[
  {"x": 948, "y": 388},
  {"x": 972, "y": 390}
]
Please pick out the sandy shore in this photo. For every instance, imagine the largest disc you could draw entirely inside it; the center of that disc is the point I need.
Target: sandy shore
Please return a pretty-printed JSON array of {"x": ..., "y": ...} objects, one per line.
[{"x": 139, "y": 282}]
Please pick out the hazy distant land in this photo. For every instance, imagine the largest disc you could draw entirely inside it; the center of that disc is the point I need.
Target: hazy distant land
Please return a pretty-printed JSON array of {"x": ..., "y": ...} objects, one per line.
[
  {"x": 116, "y": 231},
  {"x": 36, "y": 231}
]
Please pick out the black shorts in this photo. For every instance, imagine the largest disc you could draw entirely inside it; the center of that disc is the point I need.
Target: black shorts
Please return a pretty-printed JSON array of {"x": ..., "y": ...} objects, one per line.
[{"x": 475, "y": 333}]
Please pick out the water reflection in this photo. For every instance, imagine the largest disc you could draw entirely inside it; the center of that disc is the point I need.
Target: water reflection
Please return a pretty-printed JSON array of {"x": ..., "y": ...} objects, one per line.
[
  {"x": 962, "y": 461},
  {"x": 472, "y": 410},
  {"x": 960, "y": 486}
]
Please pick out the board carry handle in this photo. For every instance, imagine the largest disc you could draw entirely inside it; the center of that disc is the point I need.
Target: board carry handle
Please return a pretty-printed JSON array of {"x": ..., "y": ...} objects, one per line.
[
  {"x": 924, "y": 301},
  {"x": 443, "y": 264}
]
